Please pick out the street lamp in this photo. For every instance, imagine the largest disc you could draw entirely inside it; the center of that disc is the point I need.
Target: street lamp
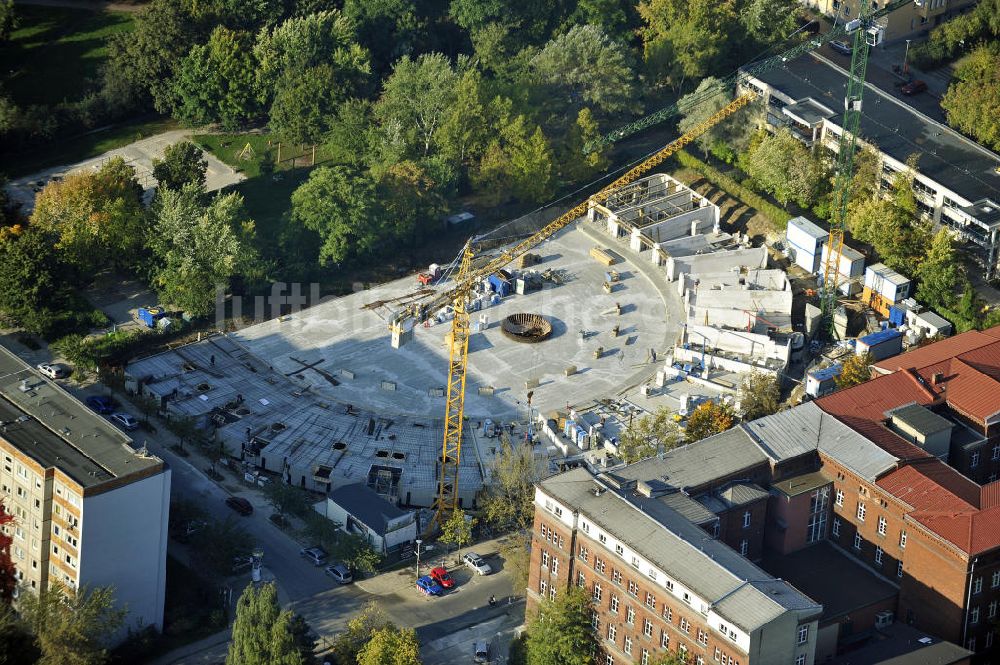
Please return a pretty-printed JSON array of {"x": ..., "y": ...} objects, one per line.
[
  {"x": 418, "y": 542},
  {"x": 906, "y": 53}
]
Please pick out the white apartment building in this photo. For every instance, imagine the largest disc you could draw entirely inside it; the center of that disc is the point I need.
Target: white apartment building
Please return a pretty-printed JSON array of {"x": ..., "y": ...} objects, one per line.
[{"x": 90, "y": 509}]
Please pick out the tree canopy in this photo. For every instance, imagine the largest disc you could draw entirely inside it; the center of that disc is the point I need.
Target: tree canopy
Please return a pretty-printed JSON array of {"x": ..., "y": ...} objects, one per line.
[
  {"x": 781, "y": 165},
  {"x": 648, "y": 436},
  {"x": 760, "y": 395},
  {"x": 707, "y": 419},
  {"x": 183, "y": 163},
  {"x": 71, "y": 627},
  {"x": 262, "y": 631},
  {"x": 561, "y": 632},
  {"x": 973, "y": 99},
  {"x": 391, "y": 646},
  {"x": 854, "y": 370}
]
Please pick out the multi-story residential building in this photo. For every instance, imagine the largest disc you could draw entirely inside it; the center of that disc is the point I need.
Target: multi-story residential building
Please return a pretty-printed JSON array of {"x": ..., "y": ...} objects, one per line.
[
  {"x": 881, "y": 502},
  {"x": 659, "y": 581},
  {"x": 90, "y": 509},
  {"x": 956, "y": 181},
  {"x": 911, "y": 19}
]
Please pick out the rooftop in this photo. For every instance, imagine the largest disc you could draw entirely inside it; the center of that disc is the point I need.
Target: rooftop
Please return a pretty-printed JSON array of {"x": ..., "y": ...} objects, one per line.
[
  {"x": 961, "y": 165},
  {"x": 806, "y": 482},
  {"x": 367, "y": 506},
  {"x": 830, "y": 577},
  {"x": 900, "y": 644},
  {"x": 921, "y": 419},
  {"x": 52, "y": 427},
  {"x": 887, "y": 273},
  {"x": 738, "y": 590}
]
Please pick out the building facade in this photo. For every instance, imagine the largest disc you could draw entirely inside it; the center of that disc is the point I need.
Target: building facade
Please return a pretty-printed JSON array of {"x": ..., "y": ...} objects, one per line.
[
  {"x": 89, "y": 509},
  {"x": 910, "y": 20}
]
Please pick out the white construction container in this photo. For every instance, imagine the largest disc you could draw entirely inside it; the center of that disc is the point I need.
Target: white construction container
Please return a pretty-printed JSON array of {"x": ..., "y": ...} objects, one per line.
[{"x": 805, "y": 241}]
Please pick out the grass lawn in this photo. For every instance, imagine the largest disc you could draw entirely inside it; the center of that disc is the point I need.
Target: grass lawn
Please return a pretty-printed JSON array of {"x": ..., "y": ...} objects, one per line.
[
  {"x": 267, "y": 200},
  {"x": 56, "y": 52},
  {"x": 232, "y": 149},
  {"x": 70, "y": 151}
]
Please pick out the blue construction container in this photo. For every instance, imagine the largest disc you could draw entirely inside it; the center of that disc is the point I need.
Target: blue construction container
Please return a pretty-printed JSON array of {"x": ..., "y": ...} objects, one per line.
[
  {"x": 882, "y": 344},
  {"x": 150, "y": 315},
  {"x": 500, "y": 286},
  {"x": 897, "y": 315}
]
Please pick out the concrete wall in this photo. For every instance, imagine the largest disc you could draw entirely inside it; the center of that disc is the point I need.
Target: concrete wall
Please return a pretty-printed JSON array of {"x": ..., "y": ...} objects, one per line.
[
  {"x": 124, "y": 545},
  {"x": 716, "y": 262}
]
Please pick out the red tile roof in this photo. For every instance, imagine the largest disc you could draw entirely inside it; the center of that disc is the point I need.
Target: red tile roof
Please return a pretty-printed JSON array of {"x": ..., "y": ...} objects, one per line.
[
  {"x": 966, "y": 389},
  {"x": 943, "y": 350}
]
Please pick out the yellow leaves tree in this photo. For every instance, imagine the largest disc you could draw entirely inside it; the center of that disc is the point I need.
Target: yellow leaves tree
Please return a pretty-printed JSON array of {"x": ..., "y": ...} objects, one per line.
[
  {"x": 855, "y": 370},
  {"x": 707, "y": 419}
]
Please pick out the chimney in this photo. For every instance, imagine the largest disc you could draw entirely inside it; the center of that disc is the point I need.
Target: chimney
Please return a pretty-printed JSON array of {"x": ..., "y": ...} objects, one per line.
[{"x": 937, "y": 378}]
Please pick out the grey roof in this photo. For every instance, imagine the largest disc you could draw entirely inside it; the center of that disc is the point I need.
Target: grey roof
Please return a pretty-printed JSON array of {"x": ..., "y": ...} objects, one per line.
[
  {"x": 900, "y": 644},
  {"x": 933, "y": 319},
  {"x": 699, "y": 463},
  {"x": 946, "y": 156},
  {"x": 56, "y": 430},
  {"x": 806, "y": 482},
  {"x": 689, "y": 508},
  {"x": 805, "y": 428},
  {"x": 365, "y": 505},
  {"x": 733, "y": 496},
  {"x": 921, "y": 419},
  {"x": 808, "y": 227},
  {"x": 809, "y": 110},
  {"x": 737, "y": 589}
]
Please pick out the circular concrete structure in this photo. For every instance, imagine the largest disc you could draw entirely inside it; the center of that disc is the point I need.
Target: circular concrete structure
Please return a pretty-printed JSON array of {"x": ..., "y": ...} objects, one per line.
[{"x": 528, "y": 328}]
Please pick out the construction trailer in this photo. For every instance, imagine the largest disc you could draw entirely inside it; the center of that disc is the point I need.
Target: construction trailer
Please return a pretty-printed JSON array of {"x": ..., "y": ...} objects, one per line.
[
  {"x": 823, "y": 381},
  {"x": 850, "y": 271},
  {"x": 881, "y": 345},
  {"x": 805, "y": 243},
  {"x": 884, "y": 287}
]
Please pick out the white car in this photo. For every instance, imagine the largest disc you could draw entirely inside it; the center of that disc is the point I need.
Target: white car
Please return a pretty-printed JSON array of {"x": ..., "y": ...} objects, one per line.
[
  {"x": 53, "y": 370},
  {"x": 476, "y": 563},
  {"x": 125, "y": 421},
  {"x": 339, "y": 572}
]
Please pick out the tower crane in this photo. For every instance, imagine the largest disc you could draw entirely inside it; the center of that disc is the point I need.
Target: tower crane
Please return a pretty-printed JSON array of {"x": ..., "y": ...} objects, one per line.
[{"x": 866, "y": 32}]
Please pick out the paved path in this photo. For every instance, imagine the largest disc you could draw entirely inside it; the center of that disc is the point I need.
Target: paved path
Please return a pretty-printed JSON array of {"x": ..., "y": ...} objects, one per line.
[
  {"x": 92, "y": 5},
  {"x": 139, "y": 154}
]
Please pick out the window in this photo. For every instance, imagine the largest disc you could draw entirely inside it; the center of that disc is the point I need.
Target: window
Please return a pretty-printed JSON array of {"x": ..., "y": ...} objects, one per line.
[
  {"x": 668, "y": 614},
  {"x": 857, "y": 541},
  {"x": 583, "y": 554},
  {"x": 598, "y": 592},
  {"x": 612, "y": 632},
  {"x": 644, "y": 659},
  {"x": 803, "y": 634},
  {"x": 599, "y": 565},
  {"x": 542, "y": 586},
  {"x": 685, "y": 625},
  {"x": 552, "y": 592},
  {"x": 902, "y": 540},
  {"x": 971, "y": 644},
  {"x": 669, "y": 585},
  {"x": 996, "y": 579},
  {"x": 699, "y": 660},
  {"x": 585, "y": 527},
  {"x": 974, "y": 615},
  {"x": 989, "y": 639},
  {"x": 682, "y": 651},
  {"x": 881, "y": 525},
  {"x": 800, "y": 659},
  {"x": 558, "y": 511},
  {"x": 899, "y": 569},
  {"x": 878, "y": 555},
  {"x": 560, "y": 543},
  {"x": 744, "y": 545},
  {"x": 718, "y": 654},
  {"x": 664, "y": 640},
  {"x": 614, "y": 604},
  {"x": 996, "y": 453},
  {"x": 977, "y": 585},
  {"x": 652, "y": 574},
  {"x": 603, "y": 539},
  {"x": 581, "y": 580},
  {"x": 619, "y": 550},
  {"x": 702, "y": 638},
  {"x": 650, "y": 600},
  {"x": 992, "y": 611},
  {"x": 647, "y": 627},
  {"x": 609, "y": 659},
  {"x": 629, "y": 615},
  {"x": 555, "y": 566},
  {"x": 628, "y": 646},
  {"x": 861, "y": 511},
  {"x": 545, "y": 559},
  {"x": 687, "y": 598},
  {"x": 616, "y": 576},
  {"x": 595, "y": 620},
  {"x": 635, "y": 562},
  {"x": 840, "y": 497},
  {"x": 633, "y": 589},
  {"x": 974, "y": 460},
  {"x": 724, "y": 629},
  {"x": 836, "y": 527},
  {"x": 746, "y": 519}
]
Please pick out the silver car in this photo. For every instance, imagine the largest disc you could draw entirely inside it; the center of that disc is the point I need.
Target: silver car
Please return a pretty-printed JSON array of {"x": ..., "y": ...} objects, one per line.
[
  {"x": 339, "y": 572},
  {"x": 314, "y": 555},
  {"x": 476, "y": 563}
]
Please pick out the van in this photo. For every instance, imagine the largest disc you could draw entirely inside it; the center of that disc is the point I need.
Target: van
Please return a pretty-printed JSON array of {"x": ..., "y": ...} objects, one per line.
[{"x": 482, "y": 652}]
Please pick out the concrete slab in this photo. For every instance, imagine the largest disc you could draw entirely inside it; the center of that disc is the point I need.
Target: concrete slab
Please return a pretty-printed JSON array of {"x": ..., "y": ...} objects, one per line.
[
  {"x": 139, "y": 154},
  {"x": 345, "y": 339}
]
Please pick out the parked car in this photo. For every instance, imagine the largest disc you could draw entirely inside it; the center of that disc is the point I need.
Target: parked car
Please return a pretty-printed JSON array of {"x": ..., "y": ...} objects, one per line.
[
  {"x": 481, "y": 651},
  {"x": 340, "y": 573},
  {"x": 100, "y": 403},
  {"x": 125, "y": 421},
  {"x": 314, "y": 555},
  {"x": 441, "y": 576},
  {"x": 476, "y": 563},
  {"x": 428, "y": 586},
  {"x": 53, "y": 370},
  {"x": 913, "y": 87},
  {"x": 240, "y": 505},
  {"x": 841, "y": 47}
]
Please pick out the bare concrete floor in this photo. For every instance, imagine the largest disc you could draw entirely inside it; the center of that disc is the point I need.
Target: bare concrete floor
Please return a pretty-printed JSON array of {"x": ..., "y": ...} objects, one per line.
[{"x": 342, "y": 340}]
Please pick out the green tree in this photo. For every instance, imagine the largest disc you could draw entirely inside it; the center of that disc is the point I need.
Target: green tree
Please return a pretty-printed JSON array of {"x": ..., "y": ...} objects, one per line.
[
  {"x": 322, "y": 531},
  {"x": 940, "y": 273},
  {"x": 891, "y": 226},
  {"x": 149, "y": 54},
  {"x": 97, "y": 217},
  {"x": 529, "y": 21},
  {"x": 286, "y": 499},
  {"x": 8, "y": 19},
  {"x": 784, "y": 167},
  {"x": 510, "y": 494},
  {"x": 760, "y": 395},
  {"x": 465, "y": 128},
  {"x": 340, "y": 204},
  {"x": 685, "y": 39},
  {"x": 215, "y": 82},
  {"x": 561, "y": 632},
  {"x": 768, "y": 21},
  {"x": 612, "y": 16},
  {"x": 391, "y": 28},
  {"x": 347, "y": 139},
  {"x": 416, "y": 98},
  {"x": 531, "y": 163},
  {"x": 357, "y": 553},
  {"x": 457, "y": 529},
  {"x": 360, "y": 628},
  {"x": 583, "y": 67},
  {"x": 199, "y": 247},
  {"x": 576, "y": 163},
  {"x": 648, "y": 436},
  {"x": 391, "y": 646},
  {"x": 220, "y": 542},
  {"x": 304, "y": 105},
  {"x": 707, "y": 419},
  {"x": 71, "y": 627},
  {"x": 972, "y": 102},
  {"x": 182, "y": 163},
  {"x": 516, "y": 552},
  {"x": 17, "y": 644},
  {"x": 706, "y": 100},
  {"x": 33, "y": 279},
  {"x": 262, "y": 631},
  {"x": 854, "y": 370}
]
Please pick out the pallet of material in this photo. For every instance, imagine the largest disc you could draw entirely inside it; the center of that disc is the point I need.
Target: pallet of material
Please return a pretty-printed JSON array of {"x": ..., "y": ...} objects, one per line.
[{"x": 603, "y": 256}]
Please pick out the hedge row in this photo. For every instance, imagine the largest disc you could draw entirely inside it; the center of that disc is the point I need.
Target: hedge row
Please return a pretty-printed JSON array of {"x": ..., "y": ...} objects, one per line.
[{"x": 775, "y": 215}]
